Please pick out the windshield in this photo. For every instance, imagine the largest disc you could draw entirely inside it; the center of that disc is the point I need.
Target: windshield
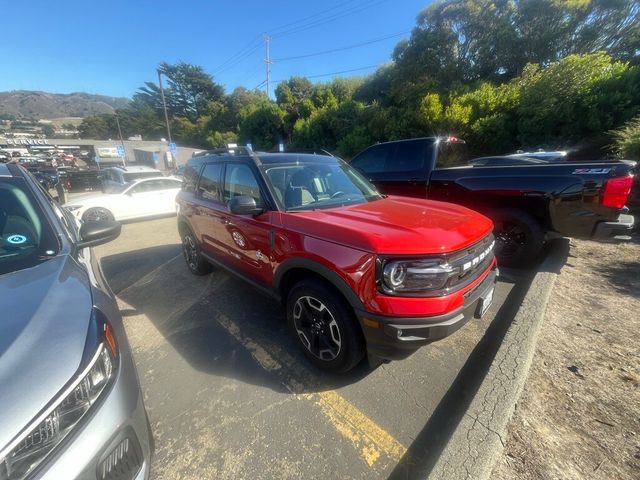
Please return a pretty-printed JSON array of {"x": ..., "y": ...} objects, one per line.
[
  {"x": 313, "y": 186},
  {"x": 26, "y": 238}
]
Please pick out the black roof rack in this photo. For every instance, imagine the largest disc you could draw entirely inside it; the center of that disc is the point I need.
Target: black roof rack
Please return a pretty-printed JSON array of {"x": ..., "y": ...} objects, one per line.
[{"x": 221, "y": 152}]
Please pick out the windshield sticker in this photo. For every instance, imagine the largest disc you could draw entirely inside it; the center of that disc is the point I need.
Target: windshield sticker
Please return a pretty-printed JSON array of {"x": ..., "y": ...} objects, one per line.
[
  {"x": 590, "y": 171},
  {"x": 16, "y": 239}
]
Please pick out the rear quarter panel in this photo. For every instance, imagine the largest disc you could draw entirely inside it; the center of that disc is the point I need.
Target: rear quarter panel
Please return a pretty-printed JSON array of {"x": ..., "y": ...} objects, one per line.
[{"x": 564, "y": 197}]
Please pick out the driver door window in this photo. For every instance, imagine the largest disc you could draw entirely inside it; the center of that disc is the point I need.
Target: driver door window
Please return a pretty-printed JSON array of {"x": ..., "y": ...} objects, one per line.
[{"x": 239, "y": 179}]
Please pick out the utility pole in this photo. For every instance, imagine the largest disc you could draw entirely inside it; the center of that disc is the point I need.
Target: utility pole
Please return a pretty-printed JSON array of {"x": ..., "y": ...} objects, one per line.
[
  {"x": 267, "y": 61},
  {"x": 121, "y": 140},
  {"x": 164, "y": 106}
]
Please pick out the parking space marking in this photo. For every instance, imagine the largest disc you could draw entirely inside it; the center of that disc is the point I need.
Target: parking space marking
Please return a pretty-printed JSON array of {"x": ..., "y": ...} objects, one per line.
[{"x": 368, "y": 438}]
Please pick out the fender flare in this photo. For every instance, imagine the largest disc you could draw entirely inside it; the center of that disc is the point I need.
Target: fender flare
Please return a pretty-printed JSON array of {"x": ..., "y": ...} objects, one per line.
[{"x": 331, "y": 276}]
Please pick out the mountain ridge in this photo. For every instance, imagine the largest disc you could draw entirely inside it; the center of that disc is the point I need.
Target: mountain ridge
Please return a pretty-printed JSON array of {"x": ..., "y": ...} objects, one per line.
[{"x": 37, "y": 105}]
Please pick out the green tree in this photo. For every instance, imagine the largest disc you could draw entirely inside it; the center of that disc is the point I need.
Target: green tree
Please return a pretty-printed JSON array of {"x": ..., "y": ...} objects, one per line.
[
  {"x": 188, "y": 92},
  {"x": 626, "y": 140},
  {"x": 262, "y": 125}
]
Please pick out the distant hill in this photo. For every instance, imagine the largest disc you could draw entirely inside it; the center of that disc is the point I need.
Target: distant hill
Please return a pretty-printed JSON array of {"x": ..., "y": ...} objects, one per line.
[{"x": 25, "y": 104}]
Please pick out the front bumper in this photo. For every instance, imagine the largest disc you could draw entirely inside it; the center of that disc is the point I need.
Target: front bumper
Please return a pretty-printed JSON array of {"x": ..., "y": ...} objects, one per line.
[
  {"x": 395, "y": 338},
  {"x": 616, "y": 230},
  {"x": 114, "y": 442}
]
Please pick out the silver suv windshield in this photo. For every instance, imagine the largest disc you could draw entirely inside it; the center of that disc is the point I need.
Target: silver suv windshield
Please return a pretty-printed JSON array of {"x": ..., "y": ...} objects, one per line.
[
  {"x": 26, "y": 237},
  {"x": 317, "y": 186}
]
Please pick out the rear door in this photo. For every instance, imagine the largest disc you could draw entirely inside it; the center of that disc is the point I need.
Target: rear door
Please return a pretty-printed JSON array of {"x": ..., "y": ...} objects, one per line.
[{"x": 207, "y": 208}]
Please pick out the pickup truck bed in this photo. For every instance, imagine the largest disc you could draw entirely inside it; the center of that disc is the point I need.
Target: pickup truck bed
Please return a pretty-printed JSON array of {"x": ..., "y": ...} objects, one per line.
[{"x": 527, "y": 202}]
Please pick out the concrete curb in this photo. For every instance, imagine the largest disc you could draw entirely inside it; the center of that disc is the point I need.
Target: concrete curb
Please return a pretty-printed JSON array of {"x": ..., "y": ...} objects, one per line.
[{"x": 478, "y": 439}]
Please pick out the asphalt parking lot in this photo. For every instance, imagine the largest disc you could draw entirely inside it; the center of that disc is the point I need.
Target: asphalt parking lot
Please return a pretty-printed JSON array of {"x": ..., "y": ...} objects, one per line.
[{"x": 229, "y": 395}]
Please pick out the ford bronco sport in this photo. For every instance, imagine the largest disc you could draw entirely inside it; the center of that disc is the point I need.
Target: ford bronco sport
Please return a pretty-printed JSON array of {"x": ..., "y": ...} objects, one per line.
[{"x": 357, "y": 272}]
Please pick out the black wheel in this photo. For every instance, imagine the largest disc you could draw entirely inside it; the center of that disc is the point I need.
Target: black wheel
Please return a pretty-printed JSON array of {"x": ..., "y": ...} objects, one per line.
[
  {"x": 195, "y": 261},
  {"x": 97, "y": 214},
  {"x": 519, "y": 237},
  {"x": 325, "y": 326}
]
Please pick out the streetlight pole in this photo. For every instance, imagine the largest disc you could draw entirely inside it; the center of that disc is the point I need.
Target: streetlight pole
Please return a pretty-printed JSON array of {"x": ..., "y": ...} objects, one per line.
[
  {"x": 121, "y": 140},
  {"x": 164, "y": 105},
  {"x": 166, "y": 116}
]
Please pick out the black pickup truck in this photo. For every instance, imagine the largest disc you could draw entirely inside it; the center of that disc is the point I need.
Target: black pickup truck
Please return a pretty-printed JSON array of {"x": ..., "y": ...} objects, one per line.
[{"x": 528, "y": 203}]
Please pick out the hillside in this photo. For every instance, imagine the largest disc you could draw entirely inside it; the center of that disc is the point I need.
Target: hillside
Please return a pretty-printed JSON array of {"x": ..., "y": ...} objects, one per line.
[{"x": 24, "y": 104}]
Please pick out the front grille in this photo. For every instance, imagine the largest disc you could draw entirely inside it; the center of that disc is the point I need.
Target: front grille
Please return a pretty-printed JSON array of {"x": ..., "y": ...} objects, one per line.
[
  {"x": 122, "y": 463},
  {"x": 477, "y": 257}
]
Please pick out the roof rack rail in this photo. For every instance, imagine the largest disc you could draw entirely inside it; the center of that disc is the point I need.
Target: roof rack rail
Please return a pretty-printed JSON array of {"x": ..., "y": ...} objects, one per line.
[{"x": 229, "y": 151}]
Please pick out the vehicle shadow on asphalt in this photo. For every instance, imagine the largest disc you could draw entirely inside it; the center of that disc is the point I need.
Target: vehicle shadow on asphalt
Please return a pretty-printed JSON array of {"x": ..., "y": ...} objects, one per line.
[
  {"x": 218, "y": 324},
  {"x": 423, "y": 453}
]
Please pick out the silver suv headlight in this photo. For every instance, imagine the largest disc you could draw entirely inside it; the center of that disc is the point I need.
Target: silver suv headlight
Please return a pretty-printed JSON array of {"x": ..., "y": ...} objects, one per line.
[{"x": 29, "y": 449}]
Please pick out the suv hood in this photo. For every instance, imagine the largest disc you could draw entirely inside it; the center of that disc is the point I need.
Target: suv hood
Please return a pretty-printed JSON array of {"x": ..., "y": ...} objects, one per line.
[
  {"x": 43, "y": 329},
  {"x": 395, "y": 225}
]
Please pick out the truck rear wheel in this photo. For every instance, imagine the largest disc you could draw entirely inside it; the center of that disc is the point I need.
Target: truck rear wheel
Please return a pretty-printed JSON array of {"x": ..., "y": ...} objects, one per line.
[
  {"x": 519, "y": 237},
  {"x": 325, "y": 326}
]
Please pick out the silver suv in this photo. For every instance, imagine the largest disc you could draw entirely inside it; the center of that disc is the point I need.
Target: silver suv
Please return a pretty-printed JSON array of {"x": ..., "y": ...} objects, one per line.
[{"x": 70, "y": 401}]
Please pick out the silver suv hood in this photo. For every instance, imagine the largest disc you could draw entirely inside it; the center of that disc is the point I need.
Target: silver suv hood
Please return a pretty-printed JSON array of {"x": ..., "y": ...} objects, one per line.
[{"x": 44, "y": 320}]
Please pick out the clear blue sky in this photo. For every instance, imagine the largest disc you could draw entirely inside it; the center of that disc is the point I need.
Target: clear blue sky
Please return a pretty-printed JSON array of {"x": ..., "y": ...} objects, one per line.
[{"x": 112, "y": 47}]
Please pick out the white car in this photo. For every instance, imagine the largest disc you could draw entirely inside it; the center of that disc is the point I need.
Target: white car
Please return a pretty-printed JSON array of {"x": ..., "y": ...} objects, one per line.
[{"x": 146, "y": 197}]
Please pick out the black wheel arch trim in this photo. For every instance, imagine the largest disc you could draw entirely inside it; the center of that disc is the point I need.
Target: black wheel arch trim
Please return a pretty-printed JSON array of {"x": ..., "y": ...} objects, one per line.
[{"x": 332, "y": 277}]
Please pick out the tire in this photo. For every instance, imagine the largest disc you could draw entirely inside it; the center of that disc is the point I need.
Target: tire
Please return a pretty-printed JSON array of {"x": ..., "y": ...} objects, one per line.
[
  {"x": 519, "y": 237},
  {"x": 318, "y": 317},
  {"x": 196, "y": 263},
  {"x": 97, "y": 214}
]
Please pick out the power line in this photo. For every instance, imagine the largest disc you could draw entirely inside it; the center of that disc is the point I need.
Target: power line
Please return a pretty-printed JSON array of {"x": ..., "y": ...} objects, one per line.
[
  {"x": 331, "y": 18},
  {"x": 238, "y": 59},
  {"x": 312, "y": 21},
  {"x": 334, "y": 73},
  {"x": 317, "y": 14},
  {"x": 348, "y": 47}
]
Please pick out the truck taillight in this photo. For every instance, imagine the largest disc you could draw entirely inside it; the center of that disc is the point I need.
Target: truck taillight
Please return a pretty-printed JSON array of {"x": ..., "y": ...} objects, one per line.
[{"x": 616, "y": 191}]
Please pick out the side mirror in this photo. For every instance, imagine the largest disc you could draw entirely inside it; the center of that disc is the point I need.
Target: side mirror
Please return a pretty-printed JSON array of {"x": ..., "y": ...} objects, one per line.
[
  {"x": 244, "y": 205},
  {"x": 94, "y": 233}
]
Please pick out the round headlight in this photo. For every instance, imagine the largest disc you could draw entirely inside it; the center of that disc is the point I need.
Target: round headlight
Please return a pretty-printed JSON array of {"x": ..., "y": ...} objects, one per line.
[{"x": 395, "y": 274}]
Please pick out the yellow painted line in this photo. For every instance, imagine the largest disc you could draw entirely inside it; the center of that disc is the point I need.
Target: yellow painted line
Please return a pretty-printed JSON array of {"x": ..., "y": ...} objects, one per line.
[
  {"x": 370, "y": 440},
  {"x": 368, "y": 437}
]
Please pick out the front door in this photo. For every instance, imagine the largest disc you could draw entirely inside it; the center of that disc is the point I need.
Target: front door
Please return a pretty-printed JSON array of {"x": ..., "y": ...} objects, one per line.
[{"x": 245, "y": 237}]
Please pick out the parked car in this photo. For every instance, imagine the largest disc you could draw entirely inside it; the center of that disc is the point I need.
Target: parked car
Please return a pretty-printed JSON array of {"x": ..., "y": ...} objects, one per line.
[
  {"x": 71, "y": 405},
  {"x": 115, "y": 178},
  {"x": 356, "y": 271},
  {"x": 527, "y": 202},
  {"x": 148, "y": 197}
]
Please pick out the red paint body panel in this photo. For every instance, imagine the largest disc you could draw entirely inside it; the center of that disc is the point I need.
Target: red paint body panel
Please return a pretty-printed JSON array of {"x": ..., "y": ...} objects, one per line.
[{"x": 394, "y": 225}]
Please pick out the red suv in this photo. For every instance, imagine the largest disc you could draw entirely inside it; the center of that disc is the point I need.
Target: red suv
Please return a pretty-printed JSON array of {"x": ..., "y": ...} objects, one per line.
[{"x": 358, "y": 272}]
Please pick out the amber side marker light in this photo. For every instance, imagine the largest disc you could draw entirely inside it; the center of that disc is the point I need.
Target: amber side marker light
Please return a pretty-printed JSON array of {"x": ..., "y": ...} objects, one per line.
[
  {"x": 110, "y": 339},
  {"x": 371, "y": 323}
]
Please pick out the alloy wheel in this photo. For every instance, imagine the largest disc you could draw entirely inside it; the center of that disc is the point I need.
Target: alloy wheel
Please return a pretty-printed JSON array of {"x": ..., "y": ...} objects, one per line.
[{"x": 317, "y": 328}]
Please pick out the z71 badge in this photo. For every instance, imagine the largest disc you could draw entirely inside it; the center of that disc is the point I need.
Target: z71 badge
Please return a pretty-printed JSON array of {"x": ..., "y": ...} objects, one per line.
[{"x": 590, "y": 171}]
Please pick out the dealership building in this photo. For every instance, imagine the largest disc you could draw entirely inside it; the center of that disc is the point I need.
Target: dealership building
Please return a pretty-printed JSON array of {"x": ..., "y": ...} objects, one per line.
[{"x": 156, "y": 154}]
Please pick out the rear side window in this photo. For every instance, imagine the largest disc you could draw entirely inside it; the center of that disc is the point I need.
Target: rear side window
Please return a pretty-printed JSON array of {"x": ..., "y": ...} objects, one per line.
[
  {"x": 374, "y": 159},
  {"x": 190, "y": 178},
  {"x": 209, "y": 185},
  {"x": 409, "y": 157},
  {"x": 452, "y": 154}
]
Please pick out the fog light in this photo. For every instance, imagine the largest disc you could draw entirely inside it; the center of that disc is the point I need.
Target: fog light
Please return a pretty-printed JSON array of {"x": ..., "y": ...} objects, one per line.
[{"x": 399, "y": 333}]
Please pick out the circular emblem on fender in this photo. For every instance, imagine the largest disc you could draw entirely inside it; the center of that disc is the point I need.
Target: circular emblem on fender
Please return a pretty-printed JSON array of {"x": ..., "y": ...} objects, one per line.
[{"x": 16, "y": 239}]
